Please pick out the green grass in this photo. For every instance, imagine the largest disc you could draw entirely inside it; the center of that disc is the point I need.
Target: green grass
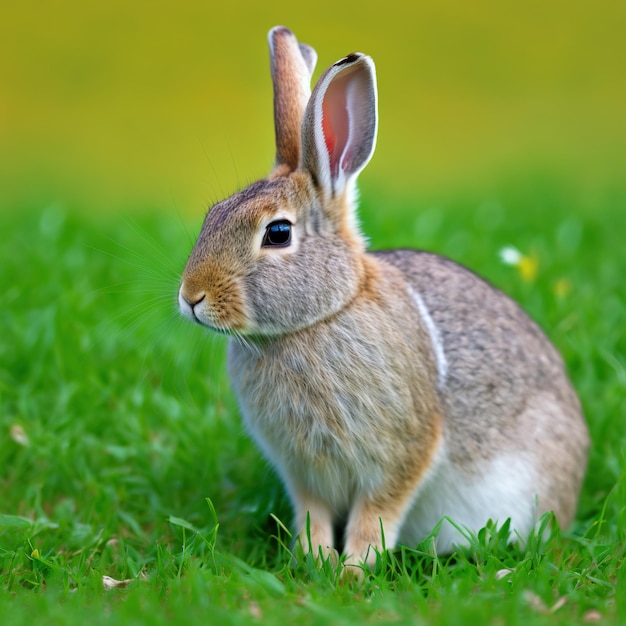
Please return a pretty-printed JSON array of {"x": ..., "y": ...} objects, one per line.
[{"x": 122, "y": 452}]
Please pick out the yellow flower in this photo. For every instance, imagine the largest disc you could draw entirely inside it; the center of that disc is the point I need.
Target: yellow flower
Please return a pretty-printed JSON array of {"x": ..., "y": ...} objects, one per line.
[
  {"x": 527, "y": 264},
  {"x": 562, "y": 288}
]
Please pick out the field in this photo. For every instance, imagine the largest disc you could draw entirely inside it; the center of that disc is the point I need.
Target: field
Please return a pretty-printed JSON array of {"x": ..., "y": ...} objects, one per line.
[
  {"x": 129, "y": 492},
  {"x": 122, "y": 453}
]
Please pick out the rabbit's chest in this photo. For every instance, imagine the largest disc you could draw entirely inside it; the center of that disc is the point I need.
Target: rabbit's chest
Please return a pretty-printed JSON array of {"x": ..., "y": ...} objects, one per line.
[
  {"x": 317, "y": 434},
  {"x": 340, "y": 403},
  {"x": 304, "y": 410}
]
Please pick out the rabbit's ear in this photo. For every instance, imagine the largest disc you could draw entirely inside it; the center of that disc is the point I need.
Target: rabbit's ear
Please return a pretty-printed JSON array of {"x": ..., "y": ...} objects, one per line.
[
  {"x": 340, "y": 123},
  {"x": 292, "y": 65}
]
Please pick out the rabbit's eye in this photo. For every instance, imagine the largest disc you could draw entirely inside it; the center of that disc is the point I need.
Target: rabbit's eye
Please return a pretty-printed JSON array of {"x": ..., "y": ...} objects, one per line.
[{"x": 277, "y": 234}]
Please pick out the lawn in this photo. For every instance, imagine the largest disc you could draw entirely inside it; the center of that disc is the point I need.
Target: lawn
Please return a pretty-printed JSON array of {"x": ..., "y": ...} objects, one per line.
[{"x": 122, "y": 453}]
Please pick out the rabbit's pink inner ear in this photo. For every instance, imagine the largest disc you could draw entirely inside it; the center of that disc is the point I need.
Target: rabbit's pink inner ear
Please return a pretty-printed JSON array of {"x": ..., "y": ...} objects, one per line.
[
  {"x": 329, "y": 136},
  {"x": 335, "y": 124},
  {"x": 340, "y": 122}
]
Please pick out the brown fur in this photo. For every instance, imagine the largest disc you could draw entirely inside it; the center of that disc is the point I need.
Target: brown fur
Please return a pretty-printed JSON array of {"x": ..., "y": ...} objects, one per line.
[
  {"x": 289, "y": 65},
  {"x": 387, "y": 389}
]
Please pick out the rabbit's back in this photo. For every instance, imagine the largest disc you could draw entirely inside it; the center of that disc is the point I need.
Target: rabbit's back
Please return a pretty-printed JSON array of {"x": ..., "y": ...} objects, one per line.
[{"x": 502, "y": 384}]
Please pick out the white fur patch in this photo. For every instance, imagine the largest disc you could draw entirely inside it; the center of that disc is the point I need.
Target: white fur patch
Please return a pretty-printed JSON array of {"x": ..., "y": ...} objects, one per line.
[
  {"x": 503, "y": 489},
  {"x": 435, "y": 337},
  {"x": 184, "y": 306}
]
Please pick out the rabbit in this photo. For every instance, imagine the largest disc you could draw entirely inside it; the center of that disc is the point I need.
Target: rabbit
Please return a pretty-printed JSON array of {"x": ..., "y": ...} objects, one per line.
[{"x": 390, "y": 390}]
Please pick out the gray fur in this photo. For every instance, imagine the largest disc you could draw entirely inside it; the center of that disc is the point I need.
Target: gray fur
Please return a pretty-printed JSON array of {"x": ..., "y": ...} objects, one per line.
[
  {"x": 389, "y": 388},
  {"x": 496, "y": 354}
]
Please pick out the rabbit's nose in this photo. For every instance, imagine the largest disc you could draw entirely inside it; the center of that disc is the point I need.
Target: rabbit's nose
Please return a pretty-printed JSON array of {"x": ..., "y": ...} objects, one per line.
[
  {"x": 193, "y": 303},
  {"x": 191, "y": 296},
  {"x": 188, "y": 302}
]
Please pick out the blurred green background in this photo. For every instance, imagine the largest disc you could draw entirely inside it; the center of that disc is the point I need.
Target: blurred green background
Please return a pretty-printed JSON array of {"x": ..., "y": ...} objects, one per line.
[{"x": 167, "y": 105}]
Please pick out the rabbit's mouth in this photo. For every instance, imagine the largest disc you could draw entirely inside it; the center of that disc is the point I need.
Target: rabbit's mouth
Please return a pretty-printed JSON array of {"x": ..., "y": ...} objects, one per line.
[
  {"x": 221, "y": 314},
  {"x": 196, "y": 311},
  {"x": 187, "y": 307}
]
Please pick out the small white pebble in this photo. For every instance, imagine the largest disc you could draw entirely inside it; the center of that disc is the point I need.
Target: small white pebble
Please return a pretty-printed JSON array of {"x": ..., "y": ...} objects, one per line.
[
  {"x": 255, "y": 610},
  {"x": 535, "y": 602},
  {"x": 592, "y": 616},
  {"x": 503, "y": 573},
  {"x": 18, "y": 434},
  {"x": 111, "y": 583}
]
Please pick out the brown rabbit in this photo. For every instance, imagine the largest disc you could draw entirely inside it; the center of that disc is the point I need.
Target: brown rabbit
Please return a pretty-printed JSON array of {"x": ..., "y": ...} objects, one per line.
[{"x": 388, "y": 389}]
